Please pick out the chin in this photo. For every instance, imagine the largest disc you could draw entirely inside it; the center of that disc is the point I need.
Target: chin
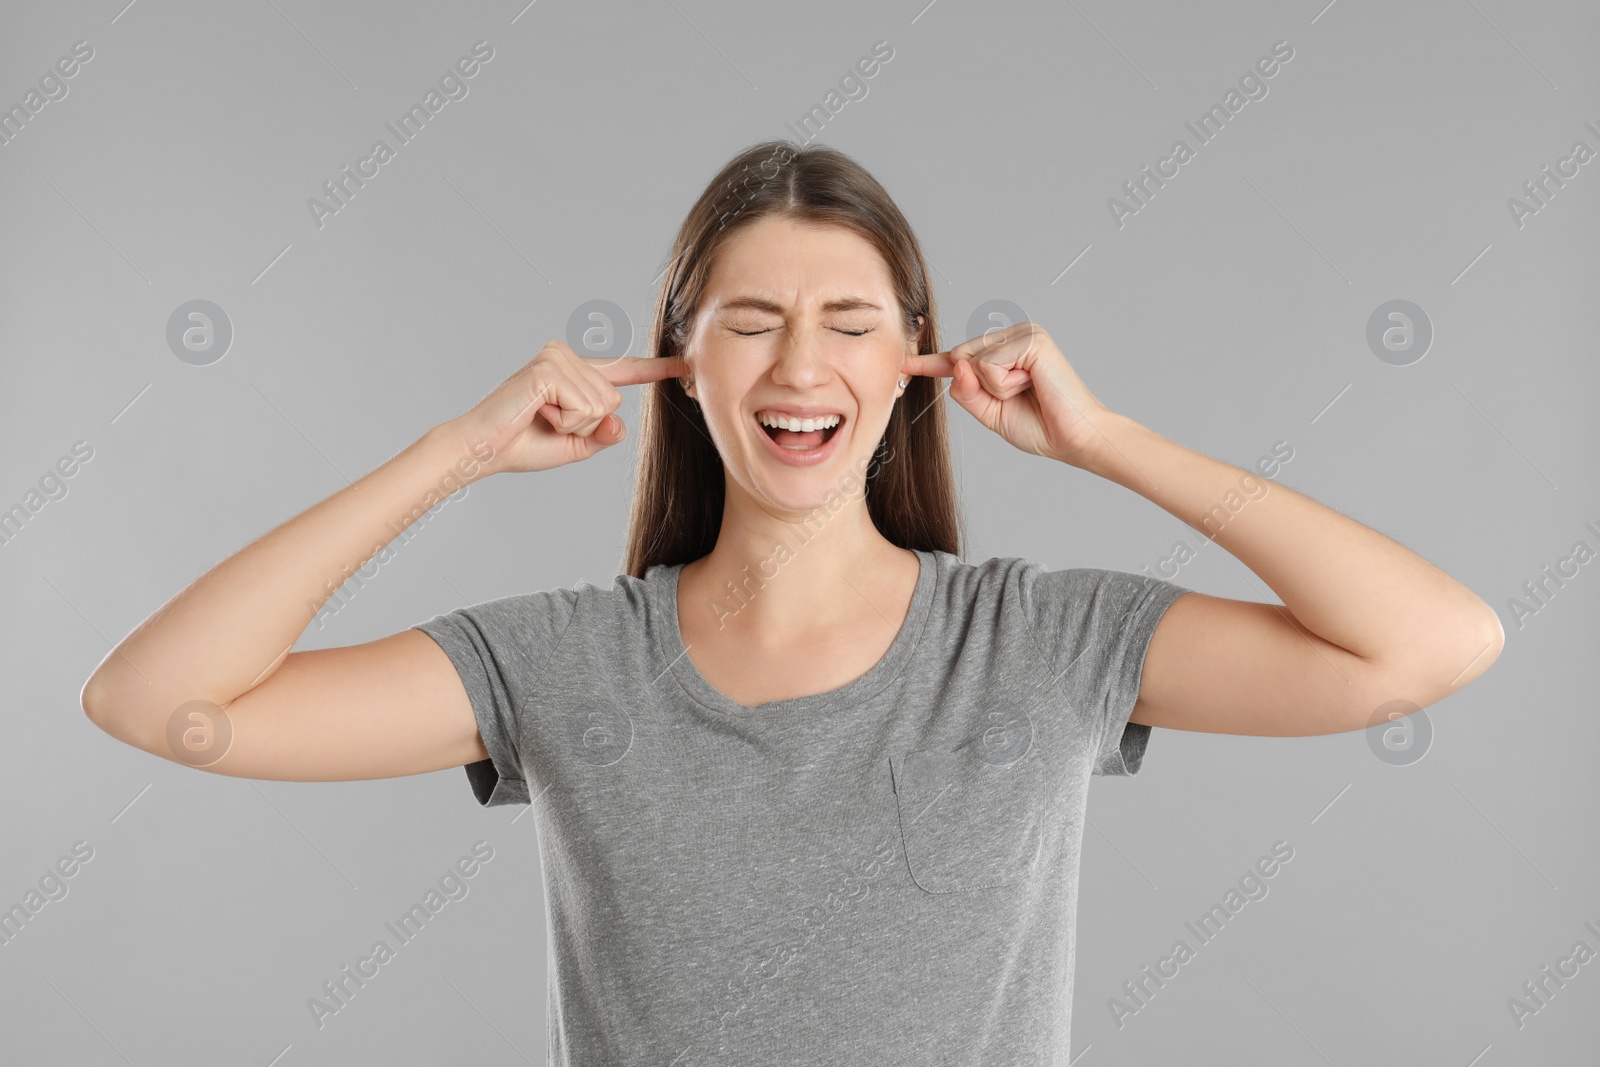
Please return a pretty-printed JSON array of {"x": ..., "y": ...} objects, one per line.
[{"x": 827, "y": 487}]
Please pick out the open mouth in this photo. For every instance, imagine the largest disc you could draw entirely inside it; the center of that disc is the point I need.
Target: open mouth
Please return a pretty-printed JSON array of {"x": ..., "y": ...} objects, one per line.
[{"x": 800, "y": 440}]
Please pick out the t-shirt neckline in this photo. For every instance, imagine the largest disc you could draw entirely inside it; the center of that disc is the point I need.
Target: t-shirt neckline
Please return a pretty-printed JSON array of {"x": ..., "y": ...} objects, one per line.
[{"x": 669, "y": 640}]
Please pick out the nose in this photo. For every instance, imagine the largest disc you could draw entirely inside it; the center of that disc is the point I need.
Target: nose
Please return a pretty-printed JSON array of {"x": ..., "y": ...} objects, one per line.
[{"x": 802, "y": 359}]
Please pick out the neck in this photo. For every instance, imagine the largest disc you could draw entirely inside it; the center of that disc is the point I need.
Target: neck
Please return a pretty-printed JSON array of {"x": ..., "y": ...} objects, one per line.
[{"x": 771, "y": 575}]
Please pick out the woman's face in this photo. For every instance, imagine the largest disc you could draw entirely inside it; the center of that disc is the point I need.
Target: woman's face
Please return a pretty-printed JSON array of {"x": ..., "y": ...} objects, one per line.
[{"x": 797, "y": 320}]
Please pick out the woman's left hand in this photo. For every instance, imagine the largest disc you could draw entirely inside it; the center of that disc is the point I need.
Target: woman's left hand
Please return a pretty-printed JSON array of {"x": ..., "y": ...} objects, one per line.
[{"x": 1017, "y": 383}]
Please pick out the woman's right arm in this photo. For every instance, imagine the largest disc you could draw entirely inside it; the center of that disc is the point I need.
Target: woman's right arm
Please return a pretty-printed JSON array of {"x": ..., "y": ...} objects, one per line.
[
  {"x": 368, "y": 711},
  {"x": 394, "y": 706}
]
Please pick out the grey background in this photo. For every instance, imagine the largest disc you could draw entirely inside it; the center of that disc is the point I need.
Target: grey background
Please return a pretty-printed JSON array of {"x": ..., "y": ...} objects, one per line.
[{"x": 1229, "y": 314}]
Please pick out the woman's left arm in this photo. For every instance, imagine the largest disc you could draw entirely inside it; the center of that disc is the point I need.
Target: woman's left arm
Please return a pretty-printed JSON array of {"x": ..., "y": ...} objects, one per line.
[{"x": 1364, "y": 620}]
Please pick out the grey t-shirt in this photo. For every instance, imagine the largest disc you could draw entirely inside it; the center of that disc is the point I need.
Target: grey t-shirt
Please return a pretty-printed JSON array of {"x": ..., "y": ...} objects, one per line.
[{"x": 885, "y": 873}]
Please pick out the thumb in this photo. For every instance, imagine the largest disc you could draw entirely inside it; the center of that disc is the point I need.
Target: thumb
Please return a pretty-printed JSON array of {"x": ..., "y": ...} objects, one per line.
[
  {"x": 610, "y": 431},
  {"x": 969, "y": 391}
]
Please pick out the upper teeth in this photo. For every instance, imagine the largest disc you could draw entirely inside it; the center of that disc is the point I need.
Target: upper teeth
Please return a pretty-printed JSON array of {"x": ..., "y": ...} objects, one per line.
[{"x": 784, "y": 422}]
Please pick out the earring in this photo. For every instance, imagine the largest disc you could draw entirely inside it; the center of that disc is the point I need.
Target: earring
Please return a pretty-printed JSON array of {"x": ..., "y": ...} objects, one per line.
[{"x": 902, "y": 383}]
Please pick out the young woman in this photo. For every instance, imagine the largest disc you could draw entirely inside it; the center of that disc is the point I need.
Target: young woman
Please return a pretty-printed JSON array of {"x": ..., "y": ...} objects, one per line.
[{"x": 809, "y": 788}]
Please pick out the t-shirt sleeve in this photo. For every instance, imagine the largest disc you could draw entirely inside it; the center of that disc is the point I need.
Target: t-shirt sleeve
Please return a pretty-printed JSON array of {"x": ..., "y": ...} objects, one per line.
[
  {"x": 1093, "y": 627},
  {"x": 500, "y": 649}
]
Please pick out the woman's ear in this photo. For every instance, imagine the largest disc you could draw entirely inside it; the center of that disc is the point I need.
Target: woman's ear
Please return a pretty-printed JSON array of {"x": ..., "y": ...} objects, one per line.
[
  {"x": 910, "y": 352},
  {"x": 688, "y": 386},
  {"x": 686, "y": 380}
]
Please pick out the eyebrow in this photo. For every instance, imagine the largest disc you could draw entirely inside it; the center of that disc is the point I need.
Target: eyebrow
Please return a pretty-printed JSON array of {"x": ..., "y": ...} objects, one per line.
[{"x": 756, "y": 303}]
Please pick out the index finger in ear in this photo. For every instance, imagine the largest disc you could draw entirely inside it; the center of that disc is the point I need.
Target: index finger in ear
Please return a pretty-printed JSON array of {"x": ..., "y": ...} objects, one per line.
[
  {"x": 1018, "y": 336},
  {"x": 636, "y": 370},
  {"x": 934, "y": 364}
]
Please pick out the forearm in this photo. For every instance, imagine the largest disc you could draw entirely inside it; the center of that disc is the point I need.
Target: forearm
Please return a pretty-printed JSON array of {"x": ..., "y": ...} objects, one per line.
[
  {"x": 230, "y": 628},
  {"x": 1341, "y": 580}
]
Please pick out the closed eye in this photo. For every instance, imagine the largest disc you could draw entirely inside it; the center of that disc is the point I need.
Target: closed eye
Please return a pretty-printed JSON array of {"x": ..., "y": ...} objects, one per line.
[{"x": 851, "y": 333}]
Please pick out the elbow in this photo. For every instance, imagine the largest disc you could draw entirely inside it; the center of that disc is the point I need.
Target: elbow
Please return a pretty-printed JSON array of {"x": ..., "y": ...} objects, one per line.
[
  {"x": 1476, "y": 653},
  {"x": 1427, "y": 679},
  {"x": 109, "y": 709},
  {"x": 1457, "y": 649},
  {"x": 1402, "y": 686},
  {"x": 95, "y": 700},
  {"x": 1494, "y": 634},
  {"x": 105, "y": 705}
]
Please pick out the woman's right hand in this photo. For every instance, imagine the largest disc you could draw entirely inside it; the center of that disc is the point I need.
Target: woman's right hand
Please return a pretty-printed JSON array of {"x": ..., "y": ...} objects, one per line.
[{"x": 557, "y": 409}]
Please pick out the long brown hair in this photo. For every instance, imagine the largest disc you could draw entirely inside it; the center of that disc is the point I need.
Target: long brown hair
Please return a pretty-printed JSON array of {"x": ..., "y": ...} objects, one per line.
[{"x": 679, "y": 482}]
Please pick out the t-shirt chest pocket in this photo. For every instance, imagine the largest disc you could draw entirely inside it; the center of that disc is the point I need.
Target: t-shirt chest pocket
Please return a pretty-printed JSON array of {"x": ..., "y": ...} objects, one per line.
[{"x": 966, "y": 823}]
